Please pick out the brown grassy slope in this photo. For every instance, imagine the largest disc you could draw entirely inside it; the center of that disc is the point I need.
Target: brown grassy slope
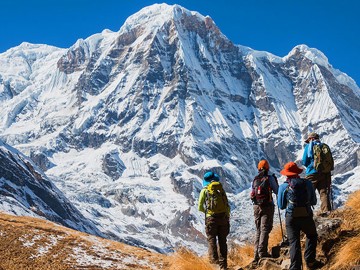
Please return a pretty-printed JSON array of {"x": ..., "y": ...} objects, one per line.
[
  {"x": 31, "y": 243},
  {"x": 345, "y": 254}
]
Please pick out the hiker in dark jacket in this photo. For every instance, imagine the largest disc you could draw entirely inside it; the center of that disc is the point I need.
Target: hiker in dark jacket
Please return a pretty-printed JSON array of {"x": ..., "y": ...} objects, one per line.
[
  {"x": 261, "y": 195},
  {"x": 320, "y": 180},
  {"x": 217, "y": 224},
  {"x": 297, "y": 195}
]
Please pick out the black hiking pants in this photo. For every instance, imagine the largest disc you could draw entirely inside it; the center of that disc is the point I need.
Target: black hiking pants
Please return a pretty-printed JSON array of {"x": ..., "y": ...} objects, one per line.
[
  {"x": 294, "y": 225},
  {"x": 217, "y": 229}
]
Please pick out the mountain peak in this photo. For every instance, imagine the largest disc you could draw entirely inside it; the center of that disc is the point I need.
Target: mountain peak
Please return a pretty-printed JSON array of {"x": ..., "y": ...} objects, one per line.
[
  {"x": 312, "y": 54},
  {"x": 157, "y": 14}
]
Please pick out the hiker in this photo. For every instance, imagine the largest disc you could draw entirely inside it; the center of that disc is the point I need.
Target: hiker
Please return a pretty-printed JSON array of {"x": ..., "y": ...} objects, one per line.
[
  {"x": 214, "y": 203},
  {"x": 297, "y": 195},
  {"x": 317, "y": 159},
  {"x": 261, "y": 194}
]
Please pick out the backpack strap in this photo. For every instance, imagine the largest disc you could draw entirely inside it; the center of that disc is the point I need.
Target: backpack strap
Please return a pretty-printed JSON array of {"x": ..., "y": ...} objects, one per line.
[{"x": 206, "y": 199}]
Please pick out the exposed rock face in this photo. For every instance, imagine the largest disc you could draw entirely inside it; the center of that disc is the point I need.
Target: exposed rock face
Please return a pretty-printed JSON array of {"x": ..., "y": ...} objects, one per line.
[
  {"x": 113, "y": 166},
  {"x": 24, "y": 189},
  {"x": 41, "y": 160}
]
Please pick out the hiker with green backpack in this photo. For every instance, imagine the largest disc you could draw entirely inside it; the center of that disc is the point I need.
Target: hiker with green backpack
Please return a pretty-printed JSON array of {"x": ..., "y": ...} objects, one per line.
[
  {"x": 264, "y": 184},
  {"x": 214, "y": 203},
  {"x": 319, "y": 163}
]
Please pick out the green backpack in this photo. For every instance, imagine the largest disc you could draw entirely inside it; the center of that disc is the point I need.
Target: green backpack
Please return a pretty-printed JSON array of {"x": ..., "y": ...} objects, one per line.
[
  {"x": 323, "y": 160},
  {"x": 216, "y": 199}
]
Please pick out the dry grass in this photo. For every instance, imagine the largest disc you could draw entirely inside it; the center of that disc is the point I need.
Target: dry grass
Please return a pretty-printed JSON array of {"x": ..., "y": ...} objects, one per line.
[
  {"x": 347, "y": 255},
  {"x": 185, "y": 259},
  {"x": 353, "y": 204},
  {"x": 240, "y": 255},
  {"x": 30, "y": 243},
  {"x": 354, "y": 201},
  {"x": 275, "y": 237}
]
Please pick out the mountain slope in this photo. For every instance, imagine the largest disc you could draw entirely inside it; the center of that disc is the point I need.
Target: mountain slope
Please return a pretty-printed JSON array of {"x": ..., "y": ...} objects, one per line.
[
  {"x": 24, "y": 190},
  {"x": 126, "y": 123},
  {"x": 31, "y": 243}
]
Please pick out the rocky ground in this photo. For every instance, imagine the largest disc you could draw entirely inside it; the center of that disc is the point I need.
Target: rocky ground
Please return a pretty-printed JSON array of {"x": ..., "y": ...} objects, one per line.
[{"x": 338, "y": 242}]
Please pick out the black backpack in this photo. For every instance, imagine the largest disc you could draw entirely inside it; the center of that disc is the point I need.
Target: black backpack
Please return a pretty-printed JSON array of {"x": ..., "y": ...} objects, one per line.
[
  {"x": 297, "y": 197},
  {"x": 261, "y": 190}
]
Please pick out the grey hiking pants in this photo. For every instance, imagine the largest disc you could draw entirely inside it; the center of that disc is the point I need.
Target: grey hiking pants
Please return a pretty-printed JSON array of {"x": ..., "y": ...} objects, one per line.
[
  {"x": 264, "y": 216},
  {"x": 322, "y": 183}
]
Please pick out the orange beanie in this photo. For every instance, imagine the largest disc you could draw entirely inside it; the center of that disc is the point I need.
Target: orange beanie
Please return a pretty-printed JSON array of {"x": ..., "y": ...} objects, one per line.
[{"x": 263, "y": 164}]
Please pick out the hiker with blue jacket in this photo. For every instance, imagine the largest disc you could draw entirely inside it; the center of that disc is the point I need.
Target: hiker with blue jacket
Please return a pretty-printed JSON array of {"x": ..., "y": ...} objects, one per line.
[
  {"x": 297, "y": 195},
  {"x": 317, "y": 159},
  {"x": 214, "y": 204},
  {"x": 264, "y": 184}
]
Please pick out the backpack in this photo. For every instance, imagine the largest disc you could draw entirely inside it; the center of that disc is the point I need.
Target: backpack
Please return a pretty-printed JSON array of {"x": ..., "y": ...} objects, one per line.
[
  {"x": 216, "y": 199},
  {"x": 261, "y": 190},
  {"x": 323, "y": 160},
  {"x": 297, "y": 197}
]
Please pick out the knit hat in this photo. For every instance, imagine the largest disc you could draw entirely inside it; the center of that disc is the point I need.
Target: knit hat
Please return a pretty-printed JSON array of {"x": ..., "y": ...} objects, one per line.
[
  {"x": 312, "y": 135},
  {"x": 263, "y": 164},
  {"x": 209, "y": 177},
  {"x": 291, "y": 169}
]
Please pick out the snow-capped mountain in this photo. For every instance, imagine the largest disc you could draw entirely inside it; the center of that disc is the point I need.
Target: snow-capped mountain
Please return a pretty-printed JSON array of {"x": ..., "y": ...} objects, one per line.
[
  {"x": 126, "y": 123},
  {"x": 24, "y": 190}
]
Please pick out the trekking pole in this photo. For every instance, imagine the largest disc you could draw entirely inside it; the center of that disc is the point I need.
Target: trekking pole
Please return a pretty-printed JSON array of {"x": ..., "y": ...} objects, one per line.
[
  {"x": 331, "y": 198},
  {"x": 205, "y": 212},
  {"x": 282, "y": 232},
  {"x": 284, "y": 240}
]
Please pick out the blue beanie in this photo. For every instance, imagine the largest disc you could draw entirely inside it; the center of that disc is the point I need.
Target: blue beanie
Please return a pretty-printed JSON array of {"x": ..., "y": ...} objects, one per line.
[{"x": 209, "y": 177}]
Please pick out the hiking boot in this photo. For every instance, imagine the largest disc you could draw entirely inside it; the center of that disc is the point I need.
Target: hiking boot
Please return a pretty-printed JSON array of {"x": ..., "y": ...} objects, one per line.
[
  {"x": 254, "y": 263},
  {"x": 214, "y": 261},
  {"x": 265, "y": 255},
  {"x": 314, "y": 265},
  {"x": 324, "y": 214}
]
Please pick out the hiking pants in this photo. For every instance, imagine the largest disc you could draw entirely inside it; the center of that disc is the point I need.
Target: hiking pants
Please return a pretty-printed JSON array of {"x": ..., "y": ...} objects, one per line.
[
  {"x": 217, "y": 229},
  {"x": 322, "y": 182},
  {"x": 293, "y": 227},
  {"x": 264, "y": 216}
]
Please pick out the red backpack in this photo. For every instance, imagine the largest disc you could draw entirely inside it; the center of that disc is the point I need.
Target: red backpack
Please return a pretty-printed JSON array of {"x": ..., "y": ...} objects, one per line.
[{"x": 261, "y": 190}]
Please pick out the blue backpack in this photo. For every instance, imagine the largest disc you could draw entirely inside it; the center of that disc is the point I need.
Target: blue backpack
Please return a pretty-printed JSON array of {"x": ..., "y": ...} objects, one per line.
[{"x": 297, "y": 197}]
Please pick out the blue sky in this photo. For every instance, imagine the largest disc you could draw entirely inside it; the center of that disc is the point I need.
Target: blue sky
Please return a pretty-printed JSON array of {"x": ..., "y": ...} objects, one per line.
[{"x": 276, "y": 26}]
